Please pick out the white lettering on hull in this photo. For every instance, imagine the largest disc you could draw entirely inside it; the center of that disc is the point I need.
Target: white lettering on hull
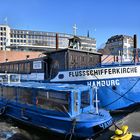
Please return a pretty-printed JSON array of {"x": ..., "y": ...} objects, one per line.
[{"x": 103, "y": 83}]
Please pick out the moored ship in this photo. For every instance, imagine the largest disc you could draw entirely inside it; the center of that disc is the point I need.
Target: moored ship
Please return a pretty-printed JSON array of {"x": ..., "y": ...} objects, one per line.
[
  {"x": 62, "y": 108},
  {"x": 117, "y": 82}
]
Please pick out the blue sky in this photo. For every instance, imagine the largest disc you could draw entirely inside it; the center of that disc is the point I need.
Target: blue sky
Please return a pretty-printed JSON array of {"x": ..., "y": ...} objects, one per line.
[{"x": 103, "y": 18}]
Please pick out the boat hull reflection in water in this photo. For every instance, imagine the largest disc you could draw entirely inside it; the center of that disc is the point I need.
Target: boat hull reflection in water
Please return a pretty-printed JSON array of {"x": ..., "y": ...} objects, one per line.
[{"x": 62, "y": 108}]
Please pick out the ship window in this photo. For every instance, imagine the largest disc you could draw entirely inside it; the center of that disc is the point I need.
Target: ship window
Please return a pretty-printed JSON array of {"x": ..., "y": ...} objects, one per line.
[
  {"x": 7, "y": 68},
  {"x": 11, "y": 68},
  {"x": 15, "y": 69},
  {"x": 27, "y": 67},
  {"x": 75, "y": 101},
  {"x": 25, "y": 95},
  {"x": 85, "y": 99},
  {"x": 1, "y": 94},
  {"x": 9, "y": 93},
  {"x": 21, "y": 67},
  {"x": 53, "y": 100}
]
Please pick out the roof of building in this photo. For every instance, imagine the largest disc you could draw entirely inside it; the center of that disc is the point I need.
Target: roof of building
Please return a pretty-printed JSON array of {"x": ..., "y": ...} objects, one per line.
[{"x": 70, "y": 49}]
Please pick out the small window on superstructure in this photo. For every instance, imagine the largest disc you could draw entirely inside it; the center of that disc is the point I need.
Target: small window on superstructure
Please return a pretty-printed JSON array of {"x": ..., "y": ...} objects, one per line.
[
  {"x": 85, "y": 99},
  {"x": 53, "y": 100},
  {"x": 25, "y": 96}
]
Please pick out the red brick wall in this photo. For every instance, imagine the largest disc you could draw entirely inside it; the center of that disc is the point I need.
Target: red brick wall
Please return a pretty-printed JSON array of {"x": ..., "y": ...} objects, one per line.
[{"x": 16, "y": 55}]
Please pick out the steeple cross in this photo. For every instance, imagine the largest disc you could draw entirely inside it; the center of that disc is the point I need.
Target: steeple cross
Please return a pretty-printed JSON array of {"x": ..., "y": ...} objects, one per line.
[{"x": 74, "y": 29}]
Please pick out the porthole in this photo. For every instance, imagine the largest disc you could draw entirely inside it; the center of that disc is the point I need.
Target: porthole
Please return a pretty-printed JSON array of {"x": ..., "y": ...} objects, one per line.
[{"x": 61, "y": 76}]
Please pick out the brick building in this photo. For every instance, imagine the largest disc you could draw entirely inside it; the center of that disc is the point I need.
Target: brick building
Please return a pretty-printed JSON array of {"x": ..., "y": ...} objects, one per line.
[{"x": 6, "y": 56}]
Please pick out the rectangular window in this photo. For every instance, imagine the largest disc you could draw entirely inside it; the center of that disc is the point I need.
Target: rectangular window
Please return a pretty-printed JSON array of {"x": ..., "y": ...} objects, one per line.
[
  {"x": 27, "y": 67},
  {"x": 25, "y": 96},
  {"x": 9, "y": 93},
  {"x": 85, "y": 99},
  {"x": 21, "y": 67},
  {"x": 15, "y": 68},
  {"x": 75, "y": 101},
  {"x": 1, "y": 89},
  {"x": 11, "y": 67},
  {"x": 7, "y": 68},
  {"x": 52, "y": 100}
]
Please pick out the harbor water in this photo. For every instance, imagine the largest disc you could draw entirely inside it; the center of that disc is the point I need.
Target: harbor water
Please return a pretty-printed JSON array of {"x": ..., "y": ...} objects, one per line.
[{"x": 11, "y": 130}]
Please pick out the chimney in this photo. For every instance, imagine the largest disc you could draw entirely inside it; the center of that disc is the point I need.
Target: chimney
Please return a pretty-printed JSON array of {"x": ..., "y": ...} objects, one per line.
[
  {"x": 57, "y": 41},
  {"x": 135, "y": 41},
  {"x": 135, "y": 47}
]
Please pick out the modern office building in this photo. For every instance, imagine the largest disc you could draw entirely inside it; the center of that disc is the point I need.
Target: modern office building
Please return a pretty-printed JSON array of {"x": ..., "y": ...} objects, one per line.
[
  {"x": 14, "y": 39},
  {"x": 119, "y": 45}
]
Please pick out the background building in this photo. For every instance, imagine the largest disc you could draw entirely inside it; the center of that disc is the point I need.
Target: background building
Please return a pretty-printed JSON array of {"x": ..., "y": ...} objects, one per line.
[
  {"x": 119, "y": 45},
  {"x": 8, "y": 56},
  {"x": 14, "y": 39}
]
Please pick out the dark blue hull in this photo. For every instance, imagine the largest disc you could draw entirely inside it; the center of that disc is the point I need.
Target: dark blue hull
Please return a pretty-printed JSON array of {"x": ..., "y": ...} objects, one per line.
[{"x": 62, "y": 125}]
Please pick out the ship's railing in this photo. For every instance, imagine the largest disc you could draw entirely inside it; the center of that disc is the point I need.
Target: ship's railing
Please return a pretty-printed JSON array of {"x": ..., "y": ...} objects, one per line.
[{"x": 9, "y": 78}]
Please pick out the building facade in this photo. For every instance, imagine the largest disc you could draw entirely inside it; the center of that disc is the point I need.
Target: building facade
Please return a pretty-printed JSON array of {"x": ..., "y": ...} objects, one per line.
[
  {"x": 120, "y": 45},
  {"x": 13, "y": 39}
]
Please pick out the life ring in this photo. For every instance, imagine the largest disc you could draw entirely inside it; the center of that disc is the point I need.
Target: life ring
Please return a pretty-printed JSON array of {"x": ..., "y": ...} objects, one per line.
[{"x": 2, "y": 110}]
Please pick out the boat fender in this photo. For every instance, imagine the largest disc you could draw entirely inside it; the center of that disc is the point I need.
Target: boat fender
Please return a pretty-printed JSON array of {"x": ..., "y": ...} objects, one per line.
[{"x": 2, "y": 110}]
